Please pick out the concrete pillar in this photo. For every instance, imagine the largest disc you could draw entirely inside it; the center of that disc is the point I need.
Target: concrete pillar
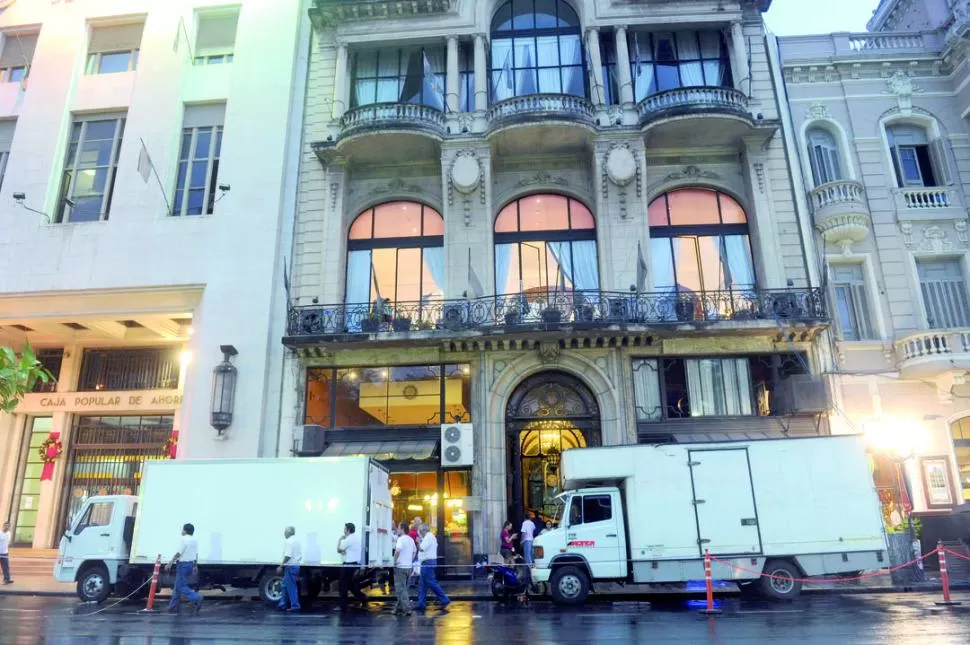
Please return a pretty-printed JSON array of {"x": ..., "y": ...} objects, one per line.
[
  {"x": 341, "y": 83},
  {"x": 596, "y": 87},
  {"x": 739, "y": 58},
  {"x": 624, "y": 78},
  {"x": 451, "y": 78},
  {"x": 481, "y": 73}
]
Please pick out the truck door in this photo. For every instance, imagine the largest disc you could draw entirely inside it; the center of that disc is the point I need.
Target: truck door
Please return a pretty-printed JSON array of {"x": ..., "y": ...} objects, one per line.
[
  {"x": 595, "y": 531},
  {"x": 727, "y": 517},
  {"x": 94, "y": 536}
]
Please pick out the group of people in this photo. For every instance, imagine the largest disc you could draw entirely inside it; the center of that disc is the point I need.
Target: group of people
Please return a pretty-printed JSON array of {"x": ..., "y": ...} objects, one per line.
[
  {"x": 532, "y": 526},
  {"x": 416, "y": 551}
]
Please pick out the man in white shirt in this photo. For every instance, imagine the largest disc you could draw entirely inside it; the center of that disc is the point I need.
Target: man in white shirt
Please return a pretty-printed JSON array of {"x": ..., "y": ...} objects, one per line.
[
  {"x": 184, "y": 561},
  {"x": 290, "y": 568},
  {"x": 528, "y": 534},
  {"x": 5, "y": 553},
  {"x": 428, "y": 556},
  {"x": 404, "y": 550},
  {"x": 351, "y": 550}
]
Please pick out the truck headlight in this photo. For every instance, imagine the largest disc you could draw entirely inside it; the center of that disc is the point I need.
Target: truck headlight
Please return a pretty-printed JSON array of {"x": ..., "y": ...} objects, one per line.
[{"x": 537, "y": 553}]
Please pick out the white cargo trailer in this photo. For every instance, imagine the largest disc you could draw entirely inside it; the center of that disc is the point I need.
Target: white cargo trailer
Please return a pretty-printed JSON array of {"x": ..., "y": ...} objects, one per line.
[
  {"x": 239, "y": 509},
  {"x": 792, "y": 508}
]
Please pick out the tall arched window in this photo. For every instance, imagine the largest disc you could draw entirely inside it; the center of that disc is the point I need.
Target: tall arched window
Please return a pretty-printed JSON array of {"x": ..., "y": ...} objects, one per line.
[
  {"x": 537, "y": 48},
  {"x": 395, "y": 254},
  {"x": 699, "y": 242},
  {"x": 545, "y": 243},
  {"x": 823, "y": 153}
]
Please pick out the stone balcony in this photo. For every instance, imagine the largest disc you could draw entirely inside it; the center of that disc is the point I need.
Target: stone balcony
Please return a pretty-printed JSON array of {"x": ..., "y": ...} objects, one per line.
[
  {"x": 540, "y": 107},
  {"x": 941, "y": 354},
  {"x": 841, "y": 212},
  {"x": 391, "y": 116},
  {"x": 683, "y": 116}
]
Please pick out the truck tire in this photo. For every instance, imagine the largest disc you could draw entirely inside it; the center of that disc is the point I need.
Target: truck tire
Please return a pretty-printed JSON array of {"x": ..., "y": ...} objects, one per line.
[
  {"x": 569, "y": 586},
  {"x": 270, "y": 587},
  {"x": 780, "y": 590},
  {"x": 93, "y": 584}
]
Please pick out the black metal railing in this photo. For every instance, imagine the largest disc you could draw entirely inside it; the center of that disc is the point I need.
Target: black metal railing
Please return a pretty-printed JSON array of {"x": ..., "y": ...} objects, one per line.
[
  {"x": 549, "y": 310},
  {"x": 693, "y": 98},
  {"x": 129, "y": 369}
]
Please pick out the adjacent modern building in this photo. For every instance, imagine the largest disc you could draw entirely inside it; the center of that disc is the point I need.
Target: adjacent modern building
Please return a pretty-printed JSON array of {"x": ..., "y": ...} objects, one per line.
[
  {"x": 529, "y": 226},
  {"x": 145, "y": 221},
  {"x": 879, "y": 135}
]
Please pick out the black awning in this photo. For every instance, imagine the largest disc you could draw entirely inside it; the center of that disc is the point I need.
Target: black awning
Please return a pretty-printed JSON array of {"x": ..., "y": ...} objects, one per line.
[{"x": 404, "y": 450}]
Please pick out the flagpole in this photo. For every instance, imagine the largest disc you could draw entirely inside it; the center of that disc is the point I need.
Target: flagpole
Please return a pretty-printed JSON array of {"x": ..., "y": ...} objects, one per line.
[{"x": 151, "y": 164}]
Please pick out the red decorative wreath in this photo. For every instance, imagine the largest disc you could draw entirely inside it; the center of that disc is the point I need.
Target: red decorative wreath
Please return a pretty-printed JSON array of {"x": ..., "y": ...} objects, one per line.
[
  {"x": 50, "y": 450},
  {"x": 171, "y": 445}
]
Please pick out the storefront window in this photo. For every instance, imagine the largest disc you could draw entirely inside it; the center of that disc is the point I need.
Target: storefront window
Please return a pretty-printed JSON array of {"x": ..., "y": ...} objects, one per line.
[
  {"x": 29, "y": 500},
  {"x": 411, "y": 395},
  {"x": 438, "y": 498},
  {"x": 960, "y": 430}
]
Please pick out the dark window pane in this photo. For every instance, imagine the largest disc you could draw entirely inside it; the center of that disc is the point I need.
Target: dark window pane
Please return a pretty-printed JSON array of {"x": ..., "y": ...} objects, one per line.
[
  {"x": 502, "y": 21},
  {"x": 523, "y": 18},
  {"x": 203, "y": 139},
  {"x": 545, "y": 15},
  {"x": 86, "y": 209},
  {"x": 597, "y": 508}
]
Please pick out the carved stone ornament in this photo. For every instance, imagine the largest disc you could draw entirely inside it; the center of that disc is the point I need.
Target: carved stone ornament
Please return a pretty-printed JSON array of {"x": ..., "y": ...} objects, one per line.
[
  {"x": 466, "y": 174},
  {"x": 961, "y": 228},
  {"x": 906, "y": 229},
  {"x": 543, "y": 177},
  {"x": 548, "y": 351},
  {"x": 902, "y": 87},
  {"x": 398, "y": 185},
  {"x": 692, "y": 173},
  {"x": 935, "y": 240},
  {"x": 817, "y": 111},
  {"x": 621, "y": 165}
]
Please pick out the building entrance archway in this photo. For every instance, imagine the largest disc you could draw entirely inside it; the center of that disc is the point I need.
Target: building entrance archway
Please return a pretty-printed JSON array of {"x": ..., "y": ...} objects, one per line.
[{"x": 547, "y": 414}]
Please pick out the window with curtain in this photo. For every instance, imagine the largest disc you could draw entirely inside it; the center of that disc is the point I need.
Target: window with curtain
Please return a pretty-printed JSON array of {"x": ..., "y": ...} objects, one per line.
[
  {"x": 851, "y": 302},
  {"x": 537, "y": 48},
  {"x": 699, "y": 242},
  {"x": 611, "y": 85},
  {"x": 823, "y": 154},
  {"x": 466, "y": 77},
  {"x": 917, "y": 160},
  {"x": 668, "y": 60},
  {"x": 395, "y": 254},
  {"x": 545, "y": 244},
  {"x": 402, "y": 75}
]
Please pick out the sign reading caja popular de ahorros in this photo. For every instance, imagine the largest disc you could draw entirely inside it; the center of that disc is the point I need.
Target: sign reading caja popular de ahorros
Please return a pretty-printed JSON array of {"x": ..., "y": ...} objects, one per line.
[{"x": 124, "y": 402}]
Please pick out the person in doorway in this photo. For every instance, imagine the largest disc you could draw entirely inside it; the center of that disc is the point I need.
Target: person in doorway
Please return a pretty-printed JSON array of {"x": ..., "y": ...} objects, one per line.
[
  {"x": 507, "y": 548},
  {"x": 528, "y": 532},
  {"x": 404, "y": 550},
  {"x": 5, "y": 553},
  {"x": 428, "y": 556},
  {"x": 184, "y": 562},
  {"x": 349, "y": 548},
  {"x": 290, "y": 569}
]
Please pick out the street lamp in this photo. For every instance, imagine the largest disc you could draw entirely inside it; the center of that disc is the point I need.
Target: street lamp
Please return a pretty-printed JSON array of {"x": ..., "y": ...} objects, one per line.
[{"x": 223, "y": 389}]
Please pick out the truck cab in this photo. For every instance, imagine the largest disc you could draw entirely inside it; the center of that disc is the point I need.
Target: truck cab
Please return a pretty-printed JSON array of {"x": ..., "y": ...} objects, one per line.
[
  {"x": 588, "y": 543},
  {"x": 96, "y": 545}
]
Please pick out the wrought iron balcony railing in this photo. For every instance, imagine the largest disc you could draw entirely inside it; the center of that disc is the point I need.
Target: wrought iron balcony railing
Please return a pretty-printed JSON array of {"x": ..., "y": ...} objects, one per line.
[
  {"x": 562, "y": 106},
  {"x": 582, "y": 309},
  {"x": 689, "y": 99},
  {"x": 383, "y": 115}
]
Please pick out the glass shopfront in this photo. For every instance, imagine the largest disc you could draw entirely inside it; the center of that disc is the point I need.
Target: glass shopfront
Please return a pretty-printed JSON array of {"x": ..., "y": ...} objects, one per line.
[
  {"x": 28, "y": 498},
  {"x": 437, "y": 497}
]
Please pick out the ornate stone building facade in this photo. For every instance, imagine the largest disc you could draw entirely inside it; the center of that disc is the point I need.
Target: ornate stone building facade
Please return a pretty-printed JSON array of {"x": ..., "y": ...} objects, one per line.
[
  {"x": 879, "y": 131},
  {"x": 532, "y": 226}
]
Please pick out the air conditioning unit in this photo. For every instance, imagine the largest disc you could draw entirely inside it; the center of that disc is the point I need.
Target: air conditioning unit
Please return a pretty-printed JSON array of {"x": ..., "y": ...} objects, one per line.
[
  {"x": 800, "y": 394},
  {"x": 309, "y": 441},
  {"x": 457, "y": 445}
]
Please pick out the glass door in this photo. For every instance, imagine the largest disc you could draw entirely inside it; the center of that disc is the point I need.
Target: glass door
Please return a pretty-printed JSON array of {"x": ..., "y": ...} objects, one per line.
[{"x": 29, "y": 496}]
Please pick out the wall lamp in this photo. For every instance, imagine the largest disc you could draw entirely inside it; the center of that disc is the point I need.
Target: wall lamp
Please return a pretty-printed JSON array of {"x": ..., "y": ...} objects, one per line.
[{"x": 223, "y": 390}]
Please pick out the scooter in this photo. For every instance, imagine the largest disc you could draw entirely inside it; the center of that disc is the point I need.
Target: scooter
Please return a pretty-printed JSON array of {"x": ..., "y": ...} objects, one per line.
[{"x": 510, "y": 583}]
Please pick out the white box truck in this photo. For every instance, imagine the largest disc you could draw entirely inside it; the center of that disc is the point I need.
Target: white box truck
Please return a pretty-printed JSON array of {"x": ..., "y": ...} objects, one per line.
[
  {"x": 791, "y": 508},
  {"x": 239, "y": 509}
]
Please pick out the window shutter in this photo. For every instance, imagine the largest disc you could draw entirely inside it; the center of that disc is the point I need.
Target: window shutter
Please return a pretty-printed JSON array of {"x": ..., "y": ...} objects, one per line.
[
  {"x": 115, "y": 38},
  {"x": 198, "y": 116},
  {"x": 7, "y": 128},
  {"x": 941, "y": 161},
  {"x": 216, "y": 33},
  {"x": 18, "y": 49}
]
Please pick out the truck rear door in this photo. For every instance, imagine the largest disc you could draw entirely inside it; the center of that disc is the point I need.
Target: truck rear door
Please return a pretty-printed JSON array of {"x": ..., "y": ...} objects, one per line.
[{"x": 727, "y": 516}]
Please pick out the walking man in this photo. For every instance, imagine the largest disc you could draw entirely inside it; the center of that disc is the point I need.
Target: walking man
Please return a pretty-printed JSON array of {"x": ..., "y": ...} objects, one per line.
[
  {"x": 528, "y": 533},
  {"x": 404, "y": 550},
  {"x": 349, "y": 547},
  {"x": 428, "y": 556},
  {"x": 290, "y": 568},
  {"x": 184, "y": 561},
  {"x": 5, "y": 553}
]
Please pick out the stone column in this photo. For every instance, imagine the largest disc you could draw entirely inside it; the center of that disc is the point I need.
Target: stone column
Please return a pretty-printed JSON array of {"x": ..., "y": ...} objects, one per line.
[
  {"x": 451, "y": 78},
  {"x": 341, "y": 83},
  {"x": 739, "y": 58},
  {"x": 623, "y": 76},
  {"x": 481, "y": 73},
  {"x": 597, "y": 89}
]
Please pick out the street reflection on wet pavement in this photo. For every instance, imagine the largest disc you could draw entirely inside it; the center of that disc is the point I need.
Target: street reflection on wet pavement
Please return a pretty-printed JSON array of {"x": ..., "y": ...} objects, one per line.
[{"x": 851, "y": 619}]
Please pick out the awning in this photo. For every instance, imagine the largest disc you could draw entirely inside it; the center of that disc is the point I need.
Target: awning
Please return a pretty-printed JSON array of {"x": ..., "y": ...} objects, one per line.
[
  {"x": 724, "y": 437},
  {"x": 385, "y": 450}
]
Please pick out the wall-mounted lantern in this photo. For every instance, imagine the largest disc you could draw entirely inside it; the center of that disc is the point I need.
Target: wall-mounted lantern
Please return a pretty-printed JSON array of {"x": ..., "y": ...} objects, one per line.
[{"x": 223, "y": 389}]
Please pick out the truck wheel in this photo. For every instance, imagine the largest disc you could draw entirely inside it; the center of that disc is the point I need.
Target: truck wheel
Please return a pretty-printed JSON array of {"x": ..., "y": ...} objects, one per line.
[
  {"x": 271, "y": 587},
  {"x": 776, "y": 588},
  {"x": 569, "y": 586},
  {"x": 93, "y": 584}
]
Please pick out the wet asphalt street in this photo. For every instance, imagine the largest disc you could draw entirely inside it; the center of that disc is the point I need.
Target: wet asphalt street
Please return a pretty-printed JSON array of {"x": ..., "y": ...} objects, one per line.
[{"x": 891, "y": 619}]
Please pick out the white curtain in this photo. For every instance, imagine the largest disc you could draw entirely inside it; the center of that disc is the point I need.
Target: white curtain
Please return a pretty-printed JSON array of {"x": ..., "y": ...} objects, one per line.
[
  {"x": 357, "y": 293},
  {"x": 434, "y": 259},
  {"x": 572, "y": 80},
  {"x": 525, "y": 60},
  {"x": 719, "y": 387},
  {"x": 563, "y": 258},
  {"x": 691, "y": 73},
  {"x": 646, "y": 389},
  {"x": 503, "y": 84},
  {"x": 586, "y": 276},
  {"x": 737, "y": 255},
  {"x": 389, "y": 85},
  {"x": 503, "y": 265},
  {"x": 434, "y": 73}
]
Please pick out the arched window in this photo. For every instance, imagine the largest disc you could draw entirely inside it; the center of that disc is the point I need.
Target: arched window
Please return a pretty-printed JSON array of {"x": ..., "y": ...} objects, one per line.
[
  {"x": 395, "y": 254},
  {"x": 537, "y": 48},
  {"x": 918, "y": 160},
  {"x": 545, "y": 243},
  {"x": 699, "y": 242},
  {"x": 823, "y": 153}
]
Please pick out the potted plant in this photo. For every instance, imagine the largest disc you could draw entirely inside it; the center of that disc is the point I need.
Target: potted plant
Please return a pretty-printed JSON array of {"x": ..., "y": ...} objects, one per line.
[
  {"x": 401, "y": 323},
  {"x": 425, "y": 325},
  {"x": 371, "y": 322},
  {"x": 551, "y": 315},
  {"x": 585, "y": 312},
  {"x": 511, "y": 318}
]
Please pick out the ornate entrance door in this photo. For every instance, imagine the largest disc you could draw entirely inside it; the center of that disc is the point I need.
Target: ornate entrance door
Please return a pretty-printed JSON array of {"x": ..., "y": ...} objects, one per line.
[{"x": 548, "y": 413}]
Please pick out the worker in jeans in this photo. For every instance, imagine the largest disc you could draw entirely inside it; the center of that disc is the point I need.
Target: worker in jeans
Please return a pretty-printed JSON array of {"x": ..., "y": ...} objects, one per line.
[
  {"x": 184, "y": 561},
  {"x": 428, "y": 556},
  {"x": 350, "y": 550},
  {"x": 290, "y": 569},
  {"x": 404, "y": 550}
]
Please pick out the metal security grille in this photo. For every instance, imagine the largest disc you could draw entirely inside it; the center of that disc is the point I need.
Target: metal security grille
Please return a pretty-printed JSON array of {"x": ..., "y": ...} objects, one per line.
[
  {"x": 129, "y": 369},
  {"x": 107, "y": 455}
]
